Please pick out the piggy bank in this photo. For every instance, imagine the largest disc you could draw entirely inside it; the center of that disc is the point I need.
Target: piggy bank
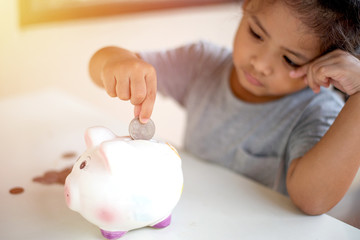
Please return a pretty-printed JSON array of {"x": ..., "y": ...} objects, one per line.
[{"x": 120, "y": 184}]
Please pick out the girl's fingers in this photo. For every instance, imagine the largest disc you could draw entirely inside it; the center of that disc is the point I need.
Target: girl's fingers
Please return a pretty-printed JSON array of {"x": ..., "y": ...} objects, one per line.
[
  {"x": 299, "y": 72},
  {"x": 311, "y": 79},
  {"x": 338, "y": 86},
  {"x": 323, "y": 75},
  {"x": 146, "y": 111},
  {"x": 109, "y": 83},
  {"x": 148, "y": 104},
  {"x": 132, "y": 81},
  {"x": 337, "y": 68},
  {"x": 306, "y": 72},
  {"x": 137, "y": 88},
  {"x": 123, "y": 88},
  {"x": 321, "y": 71},
  {"x": 137, "y": 110}
]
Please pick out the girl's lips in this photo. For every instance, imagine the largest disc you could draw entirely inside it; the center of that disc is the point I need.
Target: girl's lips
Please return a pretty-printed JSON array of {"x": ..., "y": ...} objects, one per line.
[{"x": 252, "y": 80}]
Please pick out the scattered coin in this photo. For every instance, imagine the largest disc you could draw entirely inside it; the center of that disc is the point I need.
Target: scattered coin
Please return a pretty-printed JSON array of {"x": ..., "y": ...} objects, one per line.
[
  {"x": 16, "y": 190},
  {"x": 69, "y": 155},
  {"x": 140, "y": 131},
  {"x": 53, "y": 176}
]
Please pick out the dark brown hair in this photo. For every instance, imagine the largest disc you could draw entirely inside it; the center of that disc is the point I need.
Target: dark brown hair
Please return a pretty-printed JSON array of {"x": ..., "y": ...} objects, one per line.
[{"x": 335, "y": 22}]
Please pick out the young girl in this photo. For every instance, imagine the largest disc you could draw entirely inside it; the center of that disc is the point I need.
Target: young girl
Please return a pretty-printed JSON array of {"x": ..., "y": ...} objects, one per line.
[{"x": 251, "y": 109}]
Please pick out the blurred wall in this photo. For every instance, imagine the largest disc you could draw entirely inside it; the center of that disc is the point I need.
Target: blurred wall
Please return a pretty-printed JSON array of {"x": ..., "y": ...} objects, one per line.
[{"x": 57, "y": 54}]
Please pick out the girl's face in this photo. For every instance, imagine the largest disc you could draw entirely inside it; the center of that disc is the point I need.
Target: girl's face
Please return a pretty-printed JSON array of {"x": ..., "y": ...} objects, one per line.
[{"x": 269, "y": 43}]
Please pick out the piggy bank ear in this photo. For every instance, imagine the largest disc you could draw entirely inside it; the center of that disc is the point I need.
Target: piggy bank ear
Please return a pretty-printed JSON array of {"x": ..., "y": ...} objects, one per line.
[
  {"x": 115, "y": 155},
  {"x": 94, "y": 136}
]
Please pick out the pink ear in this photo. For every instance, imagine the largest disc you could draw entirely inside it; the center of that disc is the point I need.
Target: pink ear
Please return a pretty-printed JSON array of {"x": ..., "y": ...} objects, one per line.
[
  {"x": 115, "y": 154},
  {"x": 110, "y": 153},
  {"x": 105, "y": 159},
  {"x": 96, "y": 135}
]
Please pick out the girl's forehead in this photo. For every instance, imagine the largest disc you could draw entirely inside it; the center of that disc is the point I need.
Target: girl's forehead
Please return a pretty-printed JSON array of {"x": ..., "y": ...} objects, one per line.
[
  {"x": 277, "y": 8},
  {"x": 257, "y": 5},
  {"x": 282, "y": 26}
]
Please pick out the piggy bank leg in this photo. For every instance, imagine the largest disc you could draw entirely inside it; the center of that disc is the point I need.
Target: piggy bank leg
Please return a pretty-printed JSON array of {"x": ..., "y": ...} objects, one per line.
[
  {"x": 163, "y": 223},
  {"x": 111, "y": 235}
]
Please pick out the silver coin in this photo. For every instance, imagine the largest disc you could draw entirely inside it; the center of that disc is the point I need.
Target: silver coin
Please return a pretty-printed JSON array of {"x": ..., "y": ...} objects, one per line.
[{"x": 139, "y": 131}]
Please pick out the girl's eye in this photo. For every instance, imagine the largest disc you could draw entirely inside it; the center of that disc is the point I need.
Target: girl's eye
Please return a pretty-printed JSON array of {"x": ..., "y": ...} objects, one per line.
[
  {"x": 83, "y": 164},
  {"x": 254, "y": 34},
  {"x": 291, "y": 63}
]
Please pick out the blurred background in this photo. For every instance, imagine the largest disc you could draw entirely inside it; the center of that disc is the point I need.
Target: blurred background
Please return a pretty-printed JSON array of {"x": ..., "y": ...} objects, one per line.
[{"x": 41, "y": 50}]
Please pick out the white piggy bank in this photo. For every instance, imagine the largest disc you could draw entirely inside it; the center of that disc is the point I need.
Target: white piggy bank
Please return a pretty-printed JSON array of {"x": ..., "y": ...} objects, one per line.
[{"x": 120, "y": 184}]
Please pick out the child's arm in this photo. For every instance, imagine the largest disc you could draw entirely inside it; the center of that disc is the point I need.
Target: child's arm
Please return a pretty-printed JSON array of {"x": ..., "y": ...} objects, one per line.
[
  {"x": 125, "y": 75},
  {"x": 317, "y": 181}
]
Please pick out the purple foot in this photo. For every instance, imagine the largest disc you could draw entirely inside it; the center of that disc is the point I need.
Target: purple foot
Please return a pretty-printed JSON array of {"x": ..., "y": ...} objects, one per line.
[
  {"x": 112, "y": 235},
  {"x": 163, "y": 223}
]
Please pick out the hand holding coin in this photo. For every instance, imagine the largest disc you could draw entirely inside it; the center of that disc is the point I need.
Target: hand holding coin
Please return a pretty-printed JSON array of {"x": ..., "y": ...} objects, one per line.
[{"x": 140, "y": 131}]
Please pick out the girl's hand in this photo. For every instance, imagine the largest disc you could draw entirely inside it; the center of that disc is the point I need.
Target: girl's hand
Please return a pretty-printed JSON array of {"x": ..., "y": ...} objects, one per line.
[
  {"x": 128, "y": 77},
  {"x": 338, "y": 68}
]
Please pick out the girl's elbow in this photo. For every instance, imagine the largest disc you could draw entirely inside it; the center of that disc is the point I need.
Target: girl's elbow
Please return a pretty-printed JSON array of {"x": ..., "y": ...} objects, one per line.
[
  {"x": 310, "y": 204},
  {"x": 312, "y": 208},
  {"x": 308, "y": 200}
]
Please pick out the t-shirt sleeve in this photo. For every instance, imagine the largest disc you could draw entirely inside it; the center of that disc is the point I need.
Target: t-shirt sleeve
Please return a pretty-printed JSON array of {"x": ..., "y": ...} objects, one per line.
[
  {"x": 312, "y": 125},
  {"x": 176, "y": 69}
]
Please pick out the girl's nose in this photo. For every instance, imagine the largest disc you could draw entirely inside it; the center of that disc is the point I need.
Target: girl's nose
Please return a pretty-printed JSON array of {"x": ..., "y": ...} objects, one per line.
[{"x": 261, "y": 64}]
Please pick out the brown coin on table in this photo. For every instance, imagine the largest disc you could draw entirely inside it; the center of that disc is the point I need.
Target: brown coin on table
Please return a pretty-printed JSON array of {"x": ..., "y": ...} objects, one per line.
[
  {"x": 53, "y": 176},
  {"x": 140, "y": 131},
  {"x": 69, "y": 155},
  {"x": 16, "y": 190}
]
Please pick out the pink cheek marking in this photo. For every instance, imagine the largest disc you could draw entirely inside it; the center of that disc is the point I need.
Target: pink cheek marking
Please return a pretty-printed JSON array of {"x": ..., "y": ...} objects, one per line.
[{"x": 106, "y": 215}]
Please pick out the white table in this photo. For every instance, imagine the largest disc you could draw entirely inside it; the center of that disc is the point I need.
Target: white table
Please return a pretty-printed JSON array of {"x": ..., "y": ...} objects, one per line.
[{"x": 37, "y": 129}]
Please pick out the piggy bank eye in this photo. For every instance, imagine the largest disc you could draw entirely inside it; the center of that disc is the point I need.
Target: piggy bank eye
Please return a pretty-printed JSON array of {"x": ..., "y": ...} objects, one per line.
[{"x": 83, "y": 164}]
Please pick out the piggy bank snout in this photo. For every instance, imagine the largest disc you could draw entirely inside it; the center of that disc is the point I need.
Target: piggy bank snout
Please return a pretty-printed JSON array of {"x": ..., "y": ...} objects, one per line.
[
  {"x": 71, "y": 195},
  {"x": 67, "y": 195}
]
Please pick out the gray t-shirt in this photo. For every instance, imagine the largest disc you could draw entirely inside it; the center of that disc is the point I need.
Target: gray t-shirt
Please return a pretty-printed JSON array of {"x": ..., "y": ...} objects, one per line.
[{"x": 256, "y": 140}]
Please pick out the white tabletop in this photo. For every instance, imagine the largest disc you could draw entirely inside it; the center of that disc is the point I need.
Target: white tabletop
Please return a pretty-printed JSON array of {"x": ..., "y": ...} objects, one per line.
[{"x": 37, "y": 129}]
